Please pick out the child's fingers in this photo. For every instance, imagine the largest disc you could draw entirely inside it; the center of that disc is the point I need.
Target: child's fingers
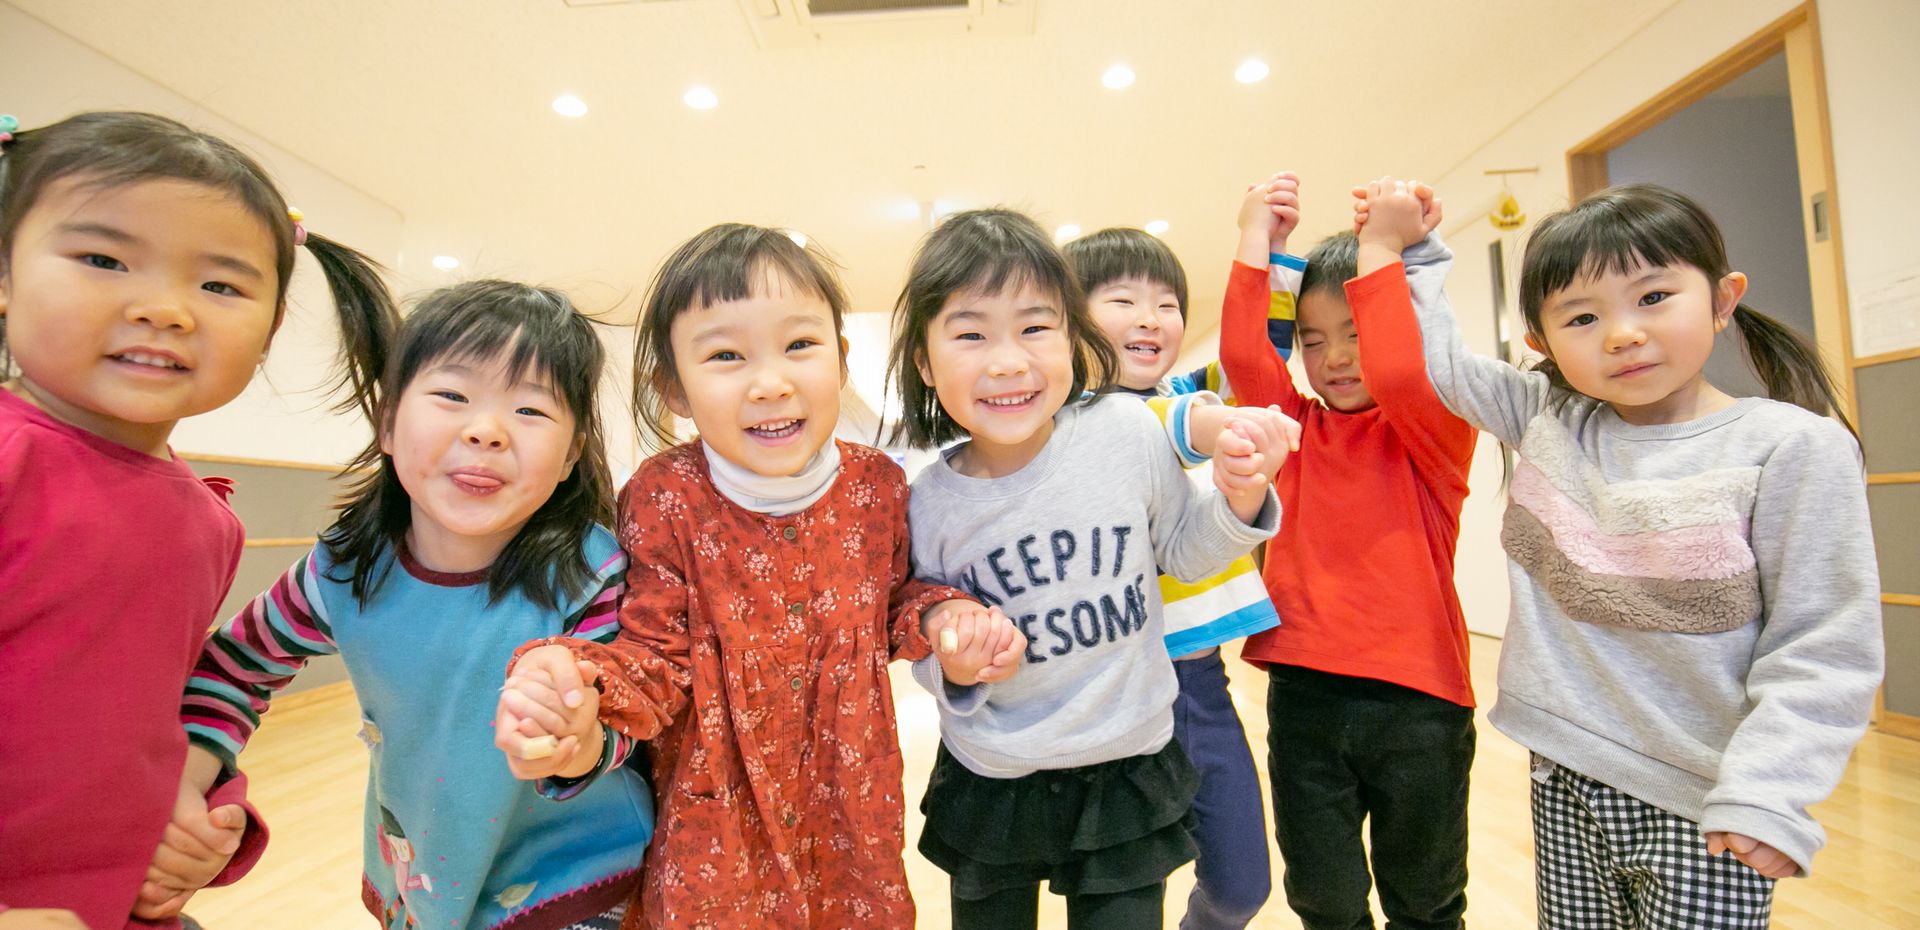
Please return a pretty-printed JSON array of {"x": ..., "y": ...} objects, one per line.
[
  {"x": 965, "y": 626},
  {"x": 163, "y": 882},
  {"x": 539, "y": 693},
  {"x": 1770, "y": 862},
  {"x": 228, "y": 817},
  {"x": 183, "y": 842},
  {"x": 527, "y": 708},
  {"x": 510, "y": 735},
  {"x": 222, "y": 829},
  {"x": 205, "y": 835},
  {"x": 1290, "y": 428},
  {"x": 1232, "y": 446},
  {"x": 566, "y": 681},
  {"x": 1716, "y": 843},
  {"x": 168, "y": 905}
]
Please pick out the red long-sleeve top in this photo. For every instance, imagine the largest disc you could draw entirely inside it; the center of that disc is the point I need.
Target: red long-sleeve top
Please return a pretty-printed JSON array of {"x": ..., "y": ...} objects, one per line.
[
  {"x": 753, "y": 657},
  {"x": 1362, "y": 568},
  {"x": 112, "y": 566}
]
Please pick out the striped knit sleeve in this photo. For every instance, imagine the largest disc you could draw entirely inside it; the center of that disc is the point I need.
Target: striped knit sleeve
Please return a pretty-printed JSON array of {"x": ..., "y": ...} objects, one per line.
[
  {"x": 599, "y": 622},
  {"x": 248, "y": 658}
]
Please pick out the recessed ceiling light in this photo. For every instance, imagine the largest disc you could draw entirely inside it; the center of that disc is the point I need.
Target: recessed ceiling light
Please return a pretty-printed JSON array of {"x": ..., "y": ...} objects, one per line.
[
  {"x": 1118, "y": 77},
  {"x": 445, "y": 262},
  {"x": 1064, "y": 233},
  {"x": 1251, "y": 71},
  {"x": 1157, "y": 227},
  {"x": 799, "y": 238},
  {"x": 569, "y": 105},
  {"x": 702, "y": 98}
]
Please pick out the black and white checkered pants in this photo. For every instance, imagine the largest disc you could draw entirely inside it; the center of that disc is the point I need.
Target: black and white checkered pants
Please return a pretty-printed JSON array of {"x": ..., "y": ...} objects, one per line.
[{"x": 1606, "y": 861}]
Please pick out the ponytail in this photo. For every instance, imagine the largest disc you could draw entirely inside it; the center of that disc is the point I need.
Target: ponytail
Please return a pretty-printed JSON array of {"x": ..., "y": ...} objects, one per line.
[
  {"x": 368, "y": 321},
  {"x": 1789, "y": 366}
]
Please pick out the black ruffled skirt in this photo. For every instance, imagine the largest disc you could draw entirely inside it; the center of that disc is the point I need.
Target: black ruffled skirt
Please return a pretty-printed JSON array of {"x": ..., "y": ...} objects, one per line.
[{"x": 1096, "y": 829}]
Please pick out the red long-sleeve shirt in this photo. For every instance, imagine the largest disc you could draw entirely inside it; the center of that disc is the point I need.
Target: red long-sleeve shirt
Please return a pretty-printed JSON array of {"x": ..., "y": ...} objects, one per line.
[
  {"x": 753, "y": 657},
  {"x": 112, "y": 565},
  {"x": 1362, "y": 568}
]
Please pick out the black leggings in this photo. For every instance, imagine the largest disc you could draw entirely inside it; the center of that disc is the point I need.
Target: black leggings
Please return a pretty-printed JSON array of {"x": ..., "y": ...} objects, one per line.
[{"x": 1136, "y": 909}]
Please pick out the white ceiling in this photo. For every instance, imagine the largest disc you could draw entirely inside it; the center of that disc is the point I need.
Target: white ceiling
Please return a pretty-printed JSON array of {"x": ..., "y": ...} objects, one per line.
[{"x": 441, "y": 110}]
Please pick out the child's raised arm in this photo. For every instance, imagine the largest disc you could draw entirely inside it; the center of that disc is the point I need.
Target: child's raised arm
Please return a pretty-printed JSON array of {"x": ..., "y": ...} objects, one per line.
[
  {"x": 1392, "y": 358},
  {"x": 1486, "y": 392},
  {"x": 1252, "y": 363}
]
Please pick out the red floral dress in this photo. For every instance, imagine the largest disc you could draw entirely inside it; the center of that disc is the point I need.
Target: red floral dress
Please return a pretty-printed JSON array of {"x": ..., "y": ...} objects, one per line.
[{"x": 753, "y": 657}]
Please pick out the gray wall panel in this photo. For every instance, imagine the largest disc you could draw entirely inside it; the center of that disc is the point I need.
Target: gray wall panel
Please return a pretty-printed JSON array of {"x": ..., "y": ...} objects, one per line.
[
  {"x": 276, "y": 502},
  {"x": 1903, "y": 658},
  {"x": 1889, "y": 396},
  {"x": 1896, "y": 535}
]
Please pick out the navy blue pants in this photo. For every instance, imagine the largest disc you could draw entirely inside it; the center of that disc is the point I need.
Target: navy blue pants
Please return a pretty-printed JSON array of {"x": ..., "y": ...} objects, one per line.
[{"x": 1231, "y": 877}]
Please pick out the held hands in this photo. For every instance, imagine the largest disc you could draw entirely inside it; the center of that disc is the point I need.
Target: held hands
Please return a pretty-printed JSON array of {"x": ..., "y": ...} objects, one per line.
[
  {"x": 1269, "y": 212},
  {"x": 195, "y": 847},
  {"x": 1762, "y": 858},
  {"x": 974, "y": 644},
  {"x": 1252, "y": 444},
  {"x": 548, "y": 722},
  {"x": 1395, "y": 214}
]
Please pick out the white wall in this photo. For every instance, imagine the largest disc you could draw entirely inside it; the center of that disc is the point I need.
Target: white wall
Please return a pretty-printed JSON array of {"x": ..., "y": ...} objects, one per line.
[
  {"x": 1873, "y": 107},
  {"x": 1736, "y": 158},
  {"x": 48, "y": 76}
]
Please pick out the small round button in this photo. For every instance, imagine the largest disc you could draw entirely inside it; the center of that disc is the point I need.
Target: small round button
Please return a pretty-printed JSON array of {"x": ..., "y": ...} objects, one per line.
[
  {"x": 795, "y": 608},
  {"x": 791, "y": 819},
  {"x": 790, "y": 534},
  {"x": 795, "y": 683}
]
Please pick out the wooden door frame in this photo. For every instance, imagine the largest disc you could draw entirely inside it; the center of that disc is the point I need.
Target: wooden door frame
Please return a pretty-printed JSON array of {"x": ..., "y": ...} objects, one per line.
[{"x": 1796, "y": 34}]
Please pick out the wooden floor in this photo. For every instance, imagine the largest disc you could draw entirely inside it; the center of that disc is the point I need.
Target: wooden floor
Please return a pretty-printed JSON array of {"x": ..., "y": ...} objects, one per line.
[{"x": 309, "y": 771}]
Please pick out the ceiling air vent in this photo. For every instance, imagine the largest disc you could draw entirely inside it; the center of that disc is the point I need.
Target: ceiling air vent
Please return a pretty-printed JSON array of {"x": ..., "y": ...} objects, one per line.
[{"x": 790, "y": 23}]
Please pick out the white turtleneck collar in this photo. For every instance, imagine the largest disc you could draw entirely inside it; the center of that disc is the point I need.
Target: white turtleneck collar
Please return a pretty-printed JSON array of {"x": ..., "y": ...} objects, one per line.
[{"x": 778, "y": 495}]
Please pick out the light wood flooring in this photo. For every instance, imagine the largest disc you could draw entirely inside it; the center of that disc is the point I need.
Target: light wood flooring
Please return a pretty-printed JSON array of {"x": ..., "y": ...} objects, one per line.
[{"x": 308, "y": 771}]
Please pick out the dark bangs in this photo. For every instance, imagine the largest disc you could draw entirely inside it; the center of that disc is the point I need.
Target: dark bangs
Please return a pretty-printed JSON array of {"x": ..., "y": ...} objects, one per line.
[
  {"x": 536, "y": 335},
  {"x": 1613, "y": 232},
  {"x": 1331, "y": 264},
  {"x": 989, "y": 252},
  {"x": 728, "y": 262},
  {"x": 1119, "y": 253},
  {"x": 115, "y": 149}
]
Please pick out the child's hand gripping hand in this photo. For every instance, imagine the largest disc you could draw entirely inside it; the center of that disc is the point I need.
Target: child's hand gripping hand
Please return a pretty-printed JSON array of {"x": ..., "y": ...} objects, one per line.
[
  {"x": 1390, "y": 217},
  {"x": 1269, "y": 212},
  {"x": 548, "y": 722},
  {"x": 196, "y": 845},
  {"x": 1253, "y": 444},
  {"x": 1762, "y": 858},
  {"x": 974, "y": 644},
  {"x": 1397, "y": 214}
]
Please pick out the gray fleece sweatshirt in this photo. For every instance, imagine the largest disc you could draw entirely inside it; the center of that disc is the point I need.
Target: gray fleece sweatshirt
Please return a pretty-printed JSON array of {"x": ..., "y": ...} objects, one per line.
[
  {"x": 1696, "y": 616},
  {"x": 1071, "y": 548}
]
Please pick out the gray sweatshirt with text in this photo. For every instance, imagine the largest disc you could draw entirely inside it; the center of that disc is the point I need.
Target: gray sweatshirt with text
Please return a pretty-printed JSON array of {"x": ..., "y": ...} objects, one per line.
[{"x": 1071, "y": 547}]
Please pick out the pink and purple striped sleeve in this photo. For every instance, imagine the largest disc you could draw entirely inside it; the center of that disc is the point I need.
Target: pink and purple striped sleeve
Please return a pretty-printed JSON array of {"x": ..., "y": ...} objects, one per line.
[{"x": 246, "y": 659}]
